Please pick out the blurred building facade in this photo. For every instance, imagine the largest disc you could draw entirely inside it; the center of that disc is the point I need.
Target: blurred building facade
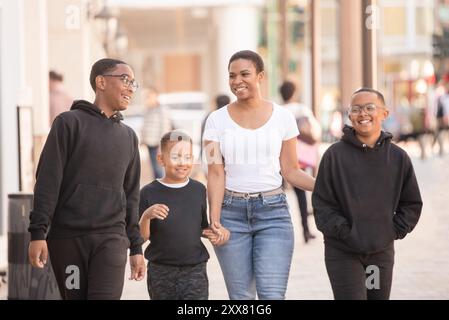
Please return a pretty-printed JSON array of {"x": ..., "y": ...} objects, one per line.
[
  {"x": 402, "y": 49},
  {"x": 406, "y": 66},
  {"x": 185, "y": 45}
]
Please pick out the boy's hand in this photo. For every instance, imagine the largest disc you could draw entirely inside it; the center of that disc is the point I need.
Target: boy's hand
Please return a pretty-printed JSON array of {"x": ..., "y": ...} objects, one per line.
[
  {"x": 209, "y": 234},
  {"x": 38, "y": 253},
  {"x": 221, "y": 232},
  {"x": 157, "y": 211},
  {"x": 137, "y": 264}
]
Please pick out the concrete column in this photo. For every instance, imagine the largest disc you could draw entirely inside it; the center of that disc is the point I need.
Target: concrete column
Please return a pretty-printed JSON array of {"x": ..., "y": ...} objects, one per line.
[
  {"x": 12, "y": 78},
  {"x": 236, "y": 30},
  {"x": 36, "y": 60},
  {"x": 410, "y": 13},
  {"x": 79, "y": 45},
  {"x": 316, "y": 57},
  {"x": 306, "y": 75},
  {"x": 351, "y": 72},
  {"x": 370, "y": 25},
  {"x": 283, "y": 39}
]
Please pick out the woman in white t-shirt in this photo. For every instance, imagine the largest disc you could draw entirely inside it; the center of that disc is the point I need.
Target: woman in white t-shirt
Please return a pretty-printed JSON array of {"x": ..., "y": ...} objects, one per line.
[{"x": 249, "y": 144}]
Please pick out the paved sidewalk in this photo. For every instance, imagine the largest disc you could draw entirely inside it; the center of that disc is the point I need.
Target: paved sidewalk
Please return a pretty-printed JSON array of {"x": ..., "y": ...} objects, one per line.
[{"x": 3, "y": 290}]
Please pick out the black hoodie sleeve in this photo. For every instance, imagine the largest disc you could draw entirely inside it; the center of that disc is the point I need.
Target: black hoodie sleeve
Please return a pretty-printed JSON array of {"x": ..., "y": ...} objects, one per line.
[
  {"x": 410, "y": 204},
  {"x": 131, "y": 187},
  {"x": 49, "y": 176},
  {"x": 327, "y": 211}
]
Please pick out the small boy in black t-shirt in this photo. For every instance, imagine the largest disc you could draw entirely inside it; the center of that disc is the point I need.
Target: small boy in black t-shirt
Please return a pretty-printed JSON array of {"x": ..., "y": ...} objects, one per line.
[{"x": 173, "y": 217}]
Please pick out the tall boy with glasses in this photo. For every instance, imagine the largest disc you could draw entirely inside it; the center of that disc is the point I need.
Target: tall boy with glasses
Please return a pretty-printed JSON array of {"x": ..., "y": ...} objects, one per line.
[
  {"x": 366, "y": 196},
  {"x": 87, "y": 192}
]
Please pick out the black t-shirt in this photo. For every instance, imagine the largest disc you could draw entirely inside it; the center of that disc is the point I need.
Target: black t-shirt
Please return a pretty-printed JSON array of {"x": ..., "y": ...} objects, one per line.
[{"x": 177, "y": 239}]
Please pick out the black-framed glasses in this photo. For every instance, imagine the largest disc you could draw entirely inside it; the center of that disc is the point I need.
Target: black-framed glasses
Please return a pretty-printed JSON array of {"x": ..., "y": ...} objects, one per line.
[
  {"x": 133, "y": 84},
  {"x": 369, "y": 108}
]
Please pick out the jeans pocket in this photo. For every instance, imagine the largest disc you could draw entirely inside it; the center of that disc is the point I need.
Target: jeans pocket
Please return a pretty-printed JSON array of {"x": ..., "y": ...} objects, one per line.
[{"x": 276, "y": 201}]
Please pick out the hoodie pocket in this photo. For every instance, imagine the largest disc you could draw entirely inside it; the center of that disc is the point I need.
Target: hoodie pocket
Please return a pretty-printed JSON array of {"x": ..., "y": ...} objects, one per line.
[
  {"x": 370, "y": 235},
  {"x": 94, "y": 207}
]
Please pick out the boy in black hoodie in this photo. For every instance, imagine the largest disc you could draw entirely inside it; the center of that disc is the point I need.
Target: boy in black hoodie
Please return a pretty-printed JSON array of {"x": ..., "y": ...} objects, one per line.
[
  {"x": 366, "y": 196},
  {"x": 87, "y": 192}
]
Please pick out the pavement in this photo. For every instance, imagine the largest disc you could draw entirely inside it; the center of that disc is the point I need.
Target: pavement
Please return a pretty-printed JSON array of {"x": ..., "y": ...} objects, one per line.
[{"x": 421, "y": 261}]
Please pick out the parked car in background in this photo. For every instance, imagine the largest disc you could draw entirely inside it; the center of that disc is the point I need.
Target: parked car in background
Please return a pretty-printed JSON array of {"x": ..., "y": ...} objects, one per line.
[{"x": 187, "y": 111}]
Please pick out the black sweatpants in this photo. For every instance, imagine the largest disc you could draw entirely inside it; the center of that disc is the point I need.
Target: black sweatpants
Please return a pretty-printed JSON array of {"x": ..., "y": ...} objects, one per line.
[
  {"x": 167, "y": 282},
  {"x": 89, "y": 267},
  {"x": 360, "y": 276}
]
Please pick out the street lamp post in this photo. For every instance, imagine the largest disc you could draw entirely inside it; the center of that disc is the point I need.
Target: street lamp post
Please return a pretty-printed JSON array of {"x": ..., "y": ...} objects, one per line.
[
  {"x": 369, "y": 42},
  {"x": 316, "y": 56}
]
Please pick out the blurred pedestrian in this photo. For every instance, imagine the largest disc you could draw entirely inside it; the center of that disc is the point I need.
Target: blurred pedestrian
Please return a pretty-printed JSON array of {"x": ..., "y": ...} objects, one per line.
[
  {"x": 442, "y": 117},
  {"x": 156, "y": 122},
  {"x": 336, "y": 125},
  {"x": 87, "y": 192},
  {"x": 307, "y": 146},
  {"x": 250, "y": 145},
  {"x": 366, "y": 196},
  {"x": 59, "y": 99}
]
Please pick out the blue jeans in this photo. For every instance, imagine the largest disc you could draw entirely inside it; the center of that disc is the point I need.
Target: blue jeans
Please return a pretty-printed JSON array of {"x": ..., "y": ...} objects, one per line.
[{"x": 258, "y": 255}]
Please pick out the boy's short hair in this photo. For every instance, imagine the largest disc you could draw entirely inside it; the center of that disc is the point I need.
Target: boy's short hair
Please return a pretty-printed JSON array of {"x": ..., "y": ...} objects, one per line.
[
  {"x": 371, "y": 90},
  {"x": 101, "y": 67},
  {"x": 174, "y": 136}
]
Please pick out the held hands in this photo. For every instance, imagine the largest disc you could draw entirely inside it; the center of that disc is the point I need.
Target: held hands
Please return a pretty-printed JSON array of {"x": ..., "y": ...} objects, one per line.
[
  {"x": 137, "y": 264},
  {"x": 209, "y": 234},
  {"x": 217, "y": 234},
  {"x": 38, "y": 253},
  {"x": 157, "y": 211}
]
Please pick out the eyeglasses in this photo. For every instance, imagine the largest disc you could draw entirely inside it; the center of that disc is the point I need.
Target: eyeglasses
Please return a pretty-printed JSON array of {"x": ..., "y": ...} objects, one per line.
[
  {"x": 369, "y": 108},
  {"x": 133, "y": 84}
]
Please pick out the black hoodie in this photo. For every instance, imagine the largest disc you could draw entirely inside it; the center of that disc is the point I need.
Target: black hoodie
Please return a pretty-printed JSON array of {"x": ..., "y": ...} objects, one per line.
[
  {"x": 87, "y": 180},
  {"x": 365, "y": 198}
]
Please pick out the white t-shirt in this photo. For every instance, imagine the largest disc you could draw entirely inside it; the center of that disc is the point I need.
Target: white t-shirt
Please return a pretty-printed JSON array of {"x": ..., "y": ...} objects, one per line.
[
  {"x": 174, "y": 185},
  {"x": 251, "y": 156}
]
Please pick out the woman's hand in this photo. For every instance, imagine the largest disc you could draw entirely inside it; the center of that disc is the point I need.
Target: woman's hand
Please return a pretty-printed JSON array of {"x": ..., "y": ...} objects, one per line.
[{"x": 222, "y": 234}]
